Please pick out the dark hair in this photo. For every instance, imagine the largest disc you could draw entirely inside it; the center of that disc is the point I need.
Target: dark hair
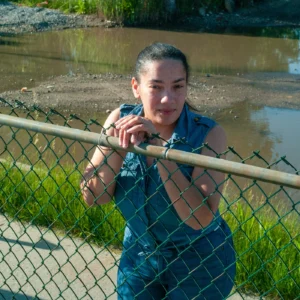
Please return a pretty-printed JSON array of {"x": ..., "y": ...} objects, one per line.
[{"x": 160, "y": 51}]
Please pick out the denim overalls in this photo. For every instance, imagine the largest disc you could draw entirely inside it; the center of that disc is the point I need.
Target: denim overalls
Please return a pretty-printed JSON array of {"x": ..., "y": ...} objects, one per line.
[{"x": 162, "y": 256}]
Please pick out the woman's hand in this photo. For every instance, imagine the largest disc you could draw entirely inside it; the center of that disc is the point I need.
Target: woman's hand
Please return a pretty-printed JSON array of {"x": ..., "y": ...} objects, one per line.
[{"x": 134, "y": 129}]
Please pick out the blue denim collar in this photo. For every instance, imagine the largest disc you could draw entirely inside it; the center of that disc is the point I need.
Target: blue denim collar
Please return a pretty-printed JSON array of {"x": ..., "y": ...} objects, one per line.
[{"x": 182, "y": 127}]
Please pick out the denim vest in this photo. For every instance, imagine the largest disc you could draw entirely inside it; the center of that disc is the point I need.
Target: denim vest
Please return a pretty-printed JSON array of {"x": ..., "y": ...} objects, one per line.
[{"x": 152, "y": 220}]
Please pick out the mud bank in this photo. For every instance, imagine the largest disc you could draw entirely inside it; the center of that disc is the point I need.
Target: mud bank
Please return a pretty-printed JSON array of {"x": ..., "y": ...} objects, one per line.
[{"x": 86, "y": 93}]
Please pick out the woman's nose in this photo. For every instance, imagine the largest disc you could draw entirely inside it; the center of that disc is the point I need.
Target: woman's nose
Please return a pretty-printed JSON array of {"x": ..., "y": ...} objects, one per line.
[{"x": 167, "y": 97}]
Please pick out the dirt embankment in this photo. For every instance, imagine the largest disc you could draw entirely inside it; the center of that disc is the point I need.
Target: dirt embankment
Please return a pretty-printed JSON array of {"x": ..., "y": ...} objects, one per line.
[{"x": 98, "y": 93}]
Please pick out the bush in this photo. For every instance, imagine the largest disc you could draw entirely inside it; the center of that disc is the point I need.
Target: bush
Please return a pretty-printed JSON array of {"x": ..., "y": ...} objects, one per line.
[{"x": 137, "y": 11}]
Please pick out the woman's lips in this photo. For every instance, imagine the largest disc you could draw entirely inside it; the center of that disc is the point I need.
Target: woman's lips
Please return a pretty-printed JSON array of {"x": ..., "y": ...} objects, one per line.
[{"x": 166, "y": 111}]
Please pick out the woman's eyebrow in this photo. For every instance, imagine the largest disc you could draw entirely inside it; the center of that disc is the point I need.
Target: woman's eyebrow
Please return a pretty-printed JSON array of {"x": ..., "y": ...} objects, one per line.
[
  {"x": 178, "y": 80},
  {"x": 161, "y": 81},
  {"x": 156, "y": 81}
]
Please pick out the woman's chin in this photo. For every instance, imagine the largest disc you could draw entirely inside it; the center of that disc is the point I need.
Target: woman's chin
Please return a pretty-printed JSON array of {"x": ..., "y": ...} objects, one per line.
[{"x": 165, "y": 121}]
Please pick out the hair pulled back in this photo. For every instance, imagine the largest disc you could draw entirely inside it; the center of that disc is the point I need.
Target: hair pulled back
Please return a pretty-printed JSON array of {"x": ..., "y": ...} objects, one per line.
[{"x": 159, "y": 51}]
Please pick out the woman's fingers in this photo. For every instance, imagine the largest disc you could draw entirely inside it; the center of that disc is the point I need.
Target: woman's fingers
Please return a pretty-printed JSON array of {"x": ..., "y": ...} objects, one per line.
[
  {"x": 126, "y": 138},
  {"x": 121, "y": 137},
  {"x": 141, "y": 137},
  {"x": 134, "y": 139},
  {"x": 133, "y": 129},
  {"x": 129, "y": 121},
  {"x": 116, "y": 133},
  {"x": 123, "y": 122},
  {"x": 136, "y": 128}
]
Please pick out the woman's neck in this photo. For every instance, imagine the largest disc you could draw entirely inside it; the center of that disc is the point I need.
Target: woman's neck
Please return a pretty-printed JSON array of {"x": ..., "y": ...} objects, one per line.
[{"x": 165, "y": 132}]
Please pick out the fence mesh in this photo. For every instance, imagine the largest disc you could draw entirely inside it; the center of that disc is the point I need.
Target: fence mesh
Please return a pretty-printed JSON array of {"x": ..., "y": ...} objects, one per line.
[{"x": 53, "y": 246}]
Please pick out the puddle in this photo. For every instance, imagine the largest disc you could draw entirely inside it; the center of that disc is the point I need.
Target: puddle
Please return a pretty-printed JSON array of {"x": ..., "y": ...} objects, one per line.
[
  {"x": 271, "y": 131},
  {"x": 263, "y": 136},
  {"x": 39, "y": 150}
]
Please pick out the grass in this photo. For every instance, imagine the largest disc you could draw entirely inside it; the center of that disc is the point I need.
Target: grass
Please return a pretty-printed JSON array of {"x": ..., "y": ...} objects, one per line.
[
  {"x": 52, "y": 199},
  {"x": 267, "y": 247},
  {"x": 68, "y": 6}
]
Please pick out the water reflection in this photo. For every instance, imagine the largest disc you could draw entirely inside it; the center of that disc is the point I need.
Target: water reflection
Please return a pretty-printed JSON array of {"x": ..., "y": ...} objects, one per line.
[
  {"x": 270, "y": 32},
  {"x": 35, "y": 149},
  {"x": 7, "y": 42},
  {"x": 283, "y": 125},
  {"x": 294, "y": 64},
  {"x": 265, "y": 137},
  {"x": 271, "y": 131},
  {"x": 38, "y": 56}
]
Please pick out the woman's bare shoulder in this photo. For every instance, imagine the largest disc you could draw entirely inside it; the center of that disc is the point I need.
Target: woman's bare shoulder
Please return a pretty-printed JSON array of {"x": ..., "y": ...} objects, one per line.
[
  {"x": 217, "y": 140},
  {"x": 112, "y": 118}
]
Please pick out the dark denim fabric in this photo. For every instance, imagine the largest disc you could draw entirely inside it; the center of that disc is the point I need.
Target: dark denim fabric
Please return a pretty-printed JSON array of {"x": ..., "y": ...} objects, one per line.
[
  {"x": 203, "y": 270},
  {"x": 155, "y": 232}
]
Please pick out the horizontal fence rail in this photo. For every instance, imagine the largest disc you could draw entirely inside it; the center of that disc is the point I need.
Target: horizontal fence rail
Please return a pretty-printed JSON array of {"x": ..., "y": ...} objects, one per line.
[
  {"x": 54, "y": 246},
  {"x": 211, "y": 163}
]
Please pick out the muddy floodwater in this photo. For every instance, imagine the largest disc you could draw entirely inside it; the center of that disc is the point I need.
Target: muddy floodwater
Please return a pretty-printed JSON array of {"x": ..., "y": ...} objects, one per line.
[
  {"x": 254, "y": 126},
  {"x": 38, "y": 56}
]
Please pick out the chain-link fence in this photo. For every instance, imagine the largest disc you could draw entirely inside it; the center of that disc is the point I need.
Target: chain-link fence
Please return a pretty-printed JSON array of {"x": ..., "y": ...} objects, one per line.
[{"x": 55, "y": 247}]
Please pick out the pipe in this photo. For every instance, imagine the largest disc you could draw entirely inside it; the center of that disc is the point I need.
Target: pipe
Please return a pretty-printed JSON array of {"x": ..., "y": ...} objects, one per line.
[{"x": 221, "y": 165}]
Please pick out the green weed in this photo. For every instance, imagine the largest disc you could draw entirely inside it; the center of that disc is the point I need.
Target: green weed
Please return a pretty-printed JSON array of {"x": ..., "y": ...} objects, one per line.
[{"x": 267, "y": 243}]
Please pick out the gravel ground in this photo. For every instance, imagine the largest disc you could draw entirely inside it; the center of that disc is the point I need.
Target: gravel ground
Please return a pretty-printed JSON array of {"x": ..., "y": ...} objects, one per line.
[
  {"x": 85, "y": 93},
  {"x": 20, "y": 19}
]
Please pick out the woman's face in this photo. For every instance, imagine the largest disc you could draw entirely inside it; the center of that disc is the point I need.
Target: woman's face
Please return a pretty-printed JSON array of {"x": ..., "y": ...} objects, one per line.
[{"x": 162, "y": 90}]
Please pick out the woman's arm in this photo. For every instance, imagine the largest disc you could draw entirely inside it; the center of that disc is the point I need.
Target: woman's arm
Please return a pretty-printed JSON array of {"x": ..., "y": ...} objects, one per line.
[
  {"x": 100, "y": 188},
  {"x": 204, "y": 184}
]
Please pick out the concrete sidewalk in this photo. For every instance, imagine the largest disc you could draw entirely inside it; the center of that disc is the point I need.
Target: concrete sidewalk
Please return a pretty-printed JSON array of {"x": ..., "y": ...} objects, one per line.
[
  {"x": 42, "y": 264},
  {"x": 37, "y": 263}
]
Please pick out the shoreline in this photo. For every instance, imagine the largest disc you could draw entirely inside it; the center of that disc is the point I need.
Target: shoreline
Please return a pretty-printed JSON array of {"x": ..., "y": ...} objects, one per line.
[{"x": 90, "y": 93}]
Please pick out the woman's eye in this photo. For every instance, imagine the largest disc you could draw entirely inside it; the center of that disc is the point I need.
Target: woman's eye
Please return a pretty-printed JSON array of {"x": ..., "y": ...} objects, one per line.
[
  {"x": 156, "y": 87},
  {"x": 178, "y": 86}
]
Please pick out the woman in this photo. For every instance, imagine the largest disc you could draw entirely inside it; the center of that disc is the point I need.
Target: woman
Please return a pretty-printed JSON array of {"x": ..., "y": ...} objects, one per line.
[{"x": 176, "y": 245}]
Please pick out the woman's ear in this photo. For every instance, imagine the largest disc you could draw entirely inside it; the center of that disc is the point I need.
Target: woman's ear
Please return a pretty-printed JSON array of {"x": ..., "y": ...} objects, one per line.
[{"x": 135, "y": 88}]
